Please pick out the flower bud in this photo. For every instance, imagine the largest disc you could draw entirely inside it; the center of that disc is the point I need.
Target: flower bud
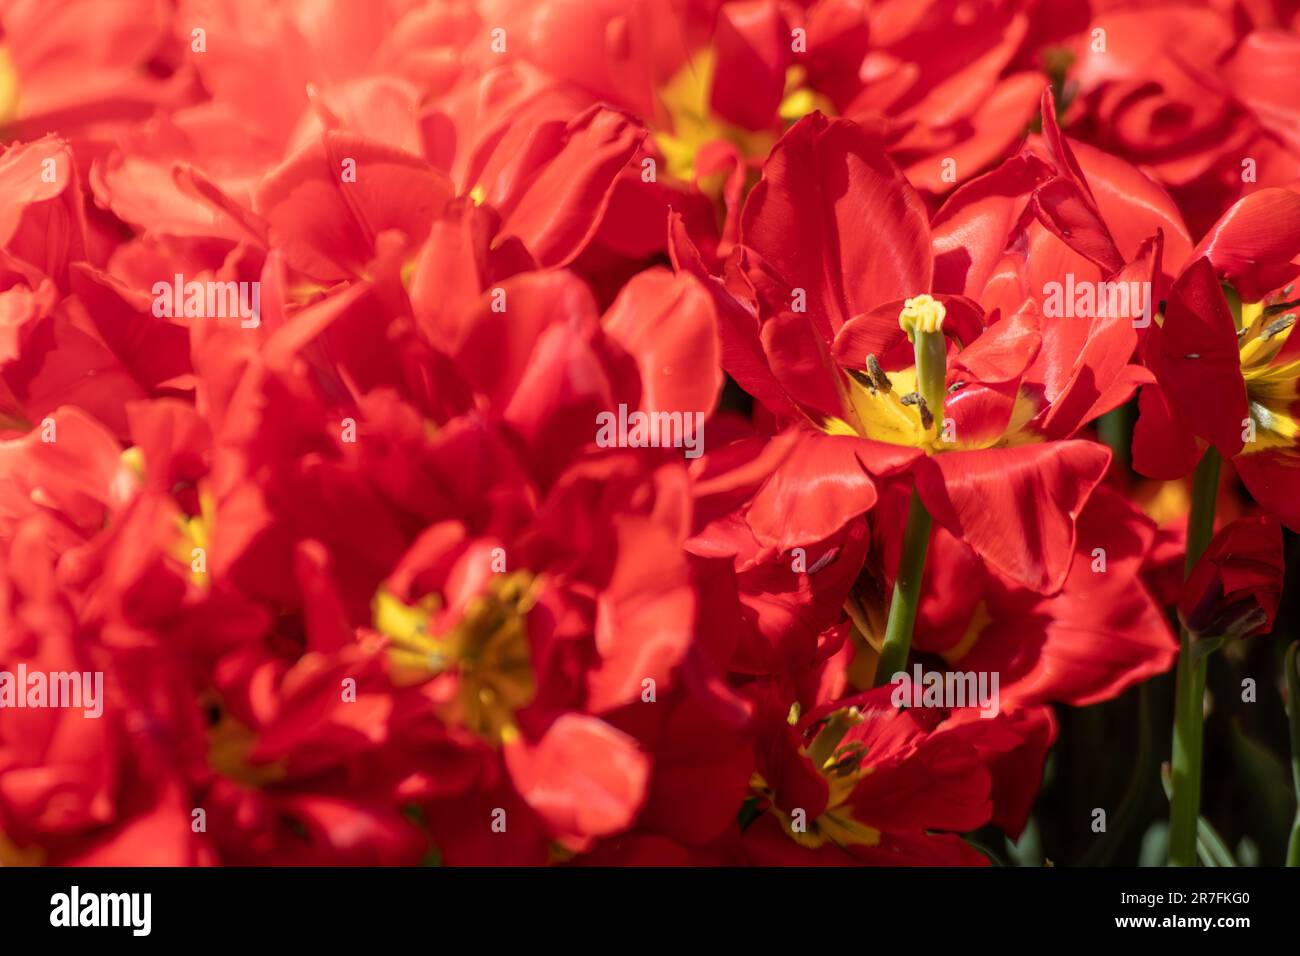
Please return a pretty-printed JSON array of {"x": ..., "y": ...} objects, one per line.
[{"x": 1234, "y": 589}]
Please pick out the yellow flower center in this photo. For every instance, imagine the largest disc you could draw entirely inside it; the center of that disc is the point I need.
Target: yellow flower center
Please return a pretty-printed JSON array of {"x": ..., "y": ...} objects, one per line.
[
  {"x": 487, "y": 650},
  {"x": 194, "y": 532},
  {"x": 1272, "y": 387},
  {"x": 903, "y": 407},
  {"x": 906, "y": 407},
  {"x": 191, "y": 547},
  {"x": 841, "y": 765},
  {"x": 691, "y": 123},
  {"x": 883, "y": 409}
]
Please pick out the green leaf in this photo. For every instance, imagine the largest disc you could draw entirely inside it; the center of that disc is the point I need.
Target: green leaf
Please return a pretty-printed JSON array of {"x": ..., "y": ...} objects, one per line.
[{"x": 1264, "y": 788}]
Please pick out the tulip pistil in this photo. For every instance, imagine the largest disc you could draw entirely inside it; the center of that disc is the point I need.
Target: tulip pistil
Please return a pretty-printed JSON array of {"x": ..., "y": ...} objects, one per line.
[{"x": 922, "y": 319}]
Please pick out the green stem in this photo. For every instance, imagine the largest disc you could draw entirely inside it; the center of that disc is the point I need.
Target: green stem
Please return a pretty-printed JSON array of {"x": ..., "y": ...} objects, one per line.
[
  {"x": 1292, "y": 662},
  {"x": 1209, "y": 845},
  {"x": 1189, "y": 694},
  {"x": 907, "y": 593}
]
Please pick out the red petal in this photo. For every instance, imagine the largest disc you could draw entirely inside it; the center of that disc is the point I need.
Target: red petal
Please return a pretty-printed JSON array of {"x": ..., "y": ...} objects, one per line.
[
  {"x": 1164, "y": 446},
  {"x": 819, "y": 488},
  {"x": 494, "y": 351},
  {"x": 1133, "y": 206},
  {"x": 1198, "y": 364},
  {"x": 1263, "y": 74},
  {"x": 973, "y": 228},
  {"x": 1100, "y": 635},
  {"x": 42, "y": 219},
  {"x": 554, "y": 196},
  {"x": 800, "y": 360},
  {"x": 1066, "y": 163},
  {"x": 327, "y": 227},
  {"x": 1003, "y": 352},
  {"x": 669, "y": 324},
  {"x": 1235, "y": 586},
  {"x": 1067, "y": 210},
  {"x": 996, "y": 127},
  {"x": 457, "y": 263},
  {"x": 1016, "y": 507},
  {"x": 1103, "y": 359},
  {"x": 738, "y": 327},
  {"x": 583, "y": 777},
  {"x": 1253, "y": 243},
  {"x": 645, "y": 614},
  {"x": 1273, "y": 479},
  {"x": 804, "y": 221},
  {"x": 752, "y": 41}
]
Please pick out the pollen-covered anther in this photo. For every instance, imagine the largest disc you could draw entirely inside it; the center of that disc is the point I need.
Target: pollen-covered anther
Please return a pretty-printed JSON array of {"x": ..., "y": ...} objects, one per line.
[
  {"x": 847, "y": 759},
  {"x": 1278, "y": 326},
  {"x": 922, "y": 313},
  {"x": 915, "y": 398},
  {"x": 879, "y": 380}
]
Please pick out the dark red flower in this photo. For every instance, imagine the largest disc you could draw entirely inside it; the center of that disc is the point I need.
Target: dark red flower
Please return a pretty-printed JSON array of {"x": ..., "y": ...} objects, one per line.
[{"x": 1235, "y": 586}]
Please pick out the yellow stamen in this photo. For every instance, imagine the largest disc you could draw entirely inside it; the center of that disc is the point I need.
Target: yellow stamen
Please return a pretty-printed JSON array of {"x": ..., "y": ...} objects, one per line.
[
  {"x": 842, "y": 767},
  {"x": 487, "y": 650},
  {"x": 195, "y": 536},
  {"x": 1272, "y": 387}
]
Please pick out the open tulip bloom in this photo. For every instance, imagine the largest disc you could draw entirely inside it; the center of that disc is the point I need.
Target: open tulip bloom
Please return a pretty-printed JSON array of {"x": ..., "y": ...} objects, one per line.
[{"x": 630, "y": 432}]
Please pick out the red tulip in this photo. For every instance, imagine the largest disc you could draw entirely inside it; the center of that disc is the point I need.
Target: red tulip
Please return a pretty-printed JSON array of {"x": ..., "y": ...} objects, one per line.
[{"x": 1234, "y": 589}]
